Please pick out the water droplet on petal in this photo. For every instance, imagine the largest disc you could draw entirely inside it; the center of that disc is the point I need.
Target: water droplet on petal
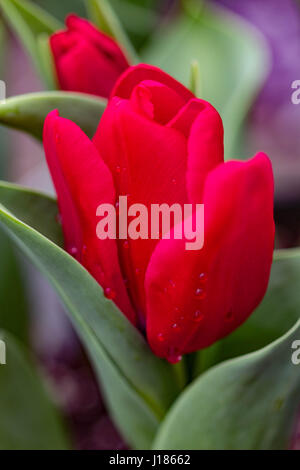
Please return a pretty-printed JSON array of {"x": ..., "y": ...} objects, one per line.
[
  {"x": 174, "y": 181},
  {"x": 73, "y": 251},
  {"x": 176, "y": 327},
  {"x": 172, "y": 283},
  {"x": 137, "y": 271},
  {"x": 198, "y": 316},
  {"x": 118, "y": 169},
  {"x": 174, "y": 356},
  {"x": 109, "y": 293},
  {"x": 126, "y": 244},
  {"x": 200, "y": 293},
  {"x": 203, "y": 277},
  {"x": 160, "y": 337},
  {"x": 57, "y": 138}
]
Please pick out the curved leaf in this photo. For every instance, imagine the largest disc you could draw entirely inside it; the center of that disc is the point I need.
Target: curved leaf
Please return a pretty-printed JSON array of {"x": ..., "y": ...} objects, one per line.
[
  {"x": 28, "y": 112},
  {"x": 29, "y": 421},
  {"x": 246, "y": 403},
  {"x": 138, "y": 386}
]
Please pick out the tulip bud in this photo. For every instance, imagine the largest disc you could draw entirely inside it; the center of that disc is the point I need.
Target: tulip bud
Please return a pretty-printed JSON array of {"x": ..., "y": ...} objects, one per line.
[{"x": 86, "y": 59}]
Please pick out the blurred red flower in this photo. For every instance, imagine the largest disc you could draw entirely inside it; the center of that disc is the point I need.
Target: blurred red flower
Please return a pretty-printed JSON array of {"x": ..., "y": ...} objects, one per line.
[
  {"x": 157, "y": 143},
  {"x": 86, "y": 59}
]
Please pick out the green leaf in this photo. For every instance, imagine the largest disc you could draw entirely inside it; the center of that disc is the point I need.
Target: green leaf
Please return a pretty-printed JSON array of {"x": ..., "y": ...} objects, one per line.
[
  {"x": 13, "y": 302},
  {"x": 103, "y": 15},
  {"x": 29, "y": 421},
  {"x": 246, "y": 403},
  {"x": 278, "y": 312},
  {"x": 28, "y": 112},
  {"x": 138, "y": 386},
  {"x": 29, "y": 22},
  {"x": 233, "y": 61}
]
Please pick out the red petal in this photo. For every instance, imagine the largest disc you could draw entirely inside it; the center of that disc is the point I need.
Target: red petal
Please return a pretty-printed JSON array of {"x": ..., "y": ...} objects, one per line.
[
  {"x": 202, "y": 125},
  {"x": 138, "y": 73},
  {"x": 148, "y": 162},
  {"x": 83, "y": 182},
  {"x": 104, "y": 43},
  {"x": 195, "y": 298},
  {"x": 86, "y": 59}
]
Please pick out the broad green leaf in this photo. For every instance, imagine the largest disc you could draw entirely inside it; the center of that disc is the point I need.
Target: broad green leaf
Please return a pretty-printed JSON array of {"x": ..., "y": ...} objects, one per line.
[
  {"x": 28, "y": 112},
  {"x": 29, "y": 420},
  {"x": 103, "y": 15},
  {"x": 232, "y": 57},
  {"x": 246, "y": 403},
  {"x": 278, "y": 312},
  {"x": 29, "y": 22},
  {"x": 138, "y": 386},
  {"x": 13, "y": 302}
]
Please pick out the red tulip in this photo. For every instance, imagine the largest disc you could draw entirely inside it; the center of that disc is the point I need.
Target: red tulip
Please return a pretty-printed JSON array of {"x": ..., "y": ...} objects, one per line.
[
  {"x": 86, "y": 59},
  {"x": 157, "y": 143}
]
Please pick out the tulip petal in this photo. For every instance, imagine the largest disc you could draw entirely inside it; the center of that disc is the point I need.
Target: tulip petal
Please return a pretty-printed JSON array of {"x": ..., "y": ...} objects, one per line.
[
  {"x": 138, "y": 73},
  {"x": 195, "y": 298},
  {"x": 202, "y": 125},
  {"x": 86, "y": 59},
  {"x": 105, "y": 44},
  {"x": 148, "y": 163},
  {"x": 83, "y": 182}
]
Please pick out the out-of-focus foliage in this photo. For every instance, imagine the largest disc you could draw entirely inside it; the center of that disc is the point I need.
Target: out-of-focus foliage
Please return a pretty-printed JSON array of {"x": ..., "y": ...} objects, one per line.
[
  {"x": 33, "y": 26},
  {"x": 13, "y": 305},
  {"x": 233, "y": 61},
  {"x": 139, "y": 17},
  {"x": 28, "y": 421}
]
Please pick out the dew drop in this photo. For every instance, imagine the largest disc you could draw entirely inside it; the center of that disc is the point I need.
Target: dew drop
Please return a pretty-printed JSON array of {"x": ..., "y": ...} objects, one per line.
[
  {"x": 174, "y": 356},
  {"x": 84, "y": 249},
  {"x": 137, "y": 271},
  {"x": 126, "y": 244},
  {"x": 73, "y": 250},
  {"x": 57, "y": 138},
  {"x": 200, "y": 293},
  {"x": 174, "y": 181},
  {"x": 176, "y": 327},
  {"x": 198, "y": 316},
  {"x": 109, "y": 293},
  {"x": 118, "y": 169},
  {"x": 160, "y": 337},
  {"x": 172, "y": 283},
  {"x": 203, "y": 277}
]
